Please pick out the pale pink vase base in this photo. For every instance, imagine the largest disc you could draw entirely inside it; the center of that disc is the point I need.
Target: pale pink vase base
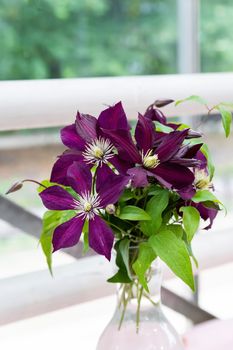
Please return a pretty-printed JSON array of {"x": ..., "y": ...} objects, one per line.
[{"x": 151, "y": 336}]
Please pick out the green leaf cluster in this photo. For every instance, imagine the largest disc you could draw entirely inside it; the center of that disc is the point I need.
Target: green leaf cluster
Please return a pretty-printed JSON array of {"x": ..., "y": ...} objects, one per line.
[
  {"x": 51, "y": 220},
  {"x": 150, "y": 228},
  {"x": 223, "y": 108}
]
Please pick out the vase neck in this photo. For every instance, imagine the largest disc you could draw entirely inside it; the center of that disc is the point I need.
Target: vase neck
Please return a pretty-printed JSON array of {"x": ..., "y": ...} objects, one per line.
[{"x": 131, "y": 291}]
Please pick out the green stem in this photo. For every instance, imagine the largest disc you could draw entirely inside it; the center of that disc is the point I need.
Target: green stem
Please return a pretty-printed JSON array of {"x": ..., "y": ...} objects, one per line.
[
  {"x": 94, "y": 180},
  {"x": 152, "y": 301},
  {"x": 116, "y": 227},
  {"x": 35, "y": 182},
  {"x": 138, "y": 308},
  {"x": 125, "y": 302}
]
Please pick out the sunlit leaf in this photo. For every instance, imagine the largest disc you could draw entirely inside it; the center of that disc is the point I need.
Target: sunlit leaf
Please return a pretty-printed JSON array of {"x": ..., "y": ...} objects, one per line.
[
  {"x": 191, "y": 221},
  {"x": 193, "y": 98},
  {"x": 226, "y": 119},
  {"x": 145, "y": 257},
  {"x": 173, "y": 251},
  {"x": 133, "y": 213}
]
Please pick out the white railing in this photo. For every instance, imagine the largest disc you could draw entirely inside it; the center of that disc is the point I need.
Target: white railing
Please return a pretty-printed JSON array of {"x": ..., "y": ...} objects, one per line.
[
  {"x": 44, "y": 103},
  {"x": 36, "y": 292}
]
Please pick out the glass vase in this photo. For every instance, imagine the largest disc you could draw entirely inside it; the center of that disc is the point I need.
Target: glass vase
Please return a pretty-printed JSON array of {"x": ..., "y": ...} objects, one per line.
[{"x": 138, "y": 322}]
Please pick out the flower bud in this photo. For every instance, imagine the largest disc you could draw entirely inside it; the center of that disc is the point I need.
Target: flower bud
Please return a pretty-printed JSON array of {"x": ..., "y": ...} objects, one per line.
[
  {"x": 162, "y": 103},
  {"x": 193, "y": 134},
  {"x": 110, "y": 209},
  {"x": 15, "y": 187}
]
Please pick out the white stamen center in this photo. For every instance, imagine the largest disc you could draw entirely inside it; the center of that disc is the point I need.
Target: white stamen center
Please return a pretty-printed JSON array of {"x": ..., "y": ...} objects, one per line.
[
  {"x": 88, "y": 205},
  {"x": 150, "y": 160},
  {"x": 202, "y": 180},
  {"x": 99, "y": 151}
]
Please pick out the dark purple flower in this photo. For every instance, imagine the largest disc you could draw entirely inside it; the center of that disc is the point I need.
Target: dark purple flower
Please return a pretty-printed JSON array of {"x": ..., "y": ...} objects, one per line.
[
  {"x": 156, "y": 115},
  {"x": 88, "y": 143},
  {"x": 168, "y": 161},
  {"x": 202, "y": 179},
  {"x": 201, "y": 182},
  {"x": 206, "y": 213},
  {"x": 88, "y": 206}
]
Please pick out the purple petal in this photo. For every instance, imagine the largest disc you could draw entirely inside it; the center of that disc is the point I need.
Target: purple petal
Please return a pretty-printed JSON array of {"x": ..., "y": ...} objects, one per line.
[
  {"x": 71, "y": 139},
  {"x": 207, "y": 213},
  {"x": 185, "y": 161},
  {"x": 59, "y": 170},
  {"x": 56, "y": 198},
  {"x": 121, "y": 165},
  {"x": 170, "y": 144},
  {"x": 124, "y": 143},
  {"x": 191, "y": 152},
  {"x": 138, "y": 177},
  {"x": 86, "y": 126},
  {"x": 185, "y": 156},
  {"x": 187, "y": 192},
  {"x": 155, "y": 115},
  {"x": 173, "y": 175},
  {"x": 79, "y": 177},
  {"x": 68, "y": 234},
  {"x": 158, "y": 138},
  {"x": 203, "y": 161},
  {"x": 174, "y": 126},
  {"x": 112, "y": 188},
  {"x": 182, "y": 152},
  {"x": 144, "y": 133},
  {"x": 113, "y": 118},
  {"x": 103, "y": 172},
  {"x": 101, "y": 237}
]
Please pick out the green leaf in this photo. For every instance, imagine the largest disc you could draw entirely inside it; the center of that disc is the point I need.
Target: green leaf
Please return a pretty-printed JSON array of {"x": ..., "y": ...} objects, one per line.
[
  {"x": 155, "y": 208},
  {"x": 226, "y": 104},
  {"x": 51, "y": 220},
  {"x": 191, "y": 221},
  {"x": 127, "y": 195},
  {"x": 204, "y": 196},
  {"x": 226, "y": 119},
  {"x": 133, "y": 213},
  {"x": 183, "y": 127},
  {"x": 163, "y": 128},
  {"x": 155, "y": 190},
  {"x": 122, "y": 261},
  {"x": 193, "y": 98},
  {"x": 47, "y": 184},
  {"x": 145, "y": 257},
  {"x": 206, "y": 152},
  {"x": 176, "y": 229},
  {"x": 173, "y": 252}
]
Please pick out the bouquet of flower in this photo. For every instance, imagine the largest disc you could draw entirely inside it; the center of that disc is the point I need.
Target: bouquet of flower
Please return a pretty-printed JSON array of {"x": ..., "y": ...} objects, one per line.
[{"x": 146, "y": 190}]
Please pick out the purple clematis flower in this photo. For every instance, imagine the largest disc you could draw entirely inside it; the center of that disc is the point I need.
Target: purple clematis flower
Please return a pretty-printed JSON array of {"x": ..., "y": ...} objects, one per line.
[
  {"x": 167, "y": 160},
  {"x": 88, "y": 206},
  {"x": 157, "y": 115},
  {"x": 88, "y": 143},
  {"x": 202, "y": 182}
]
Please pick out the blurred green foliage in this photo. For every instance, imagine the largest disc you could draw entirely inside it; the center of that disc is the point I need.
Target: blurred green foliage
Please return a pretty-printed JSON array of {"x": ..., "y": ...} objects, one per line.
[
  {"x": 70, "y": 38},
  {"x": 81, "y": 38},
  {"x": 216, "y": 35}
]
